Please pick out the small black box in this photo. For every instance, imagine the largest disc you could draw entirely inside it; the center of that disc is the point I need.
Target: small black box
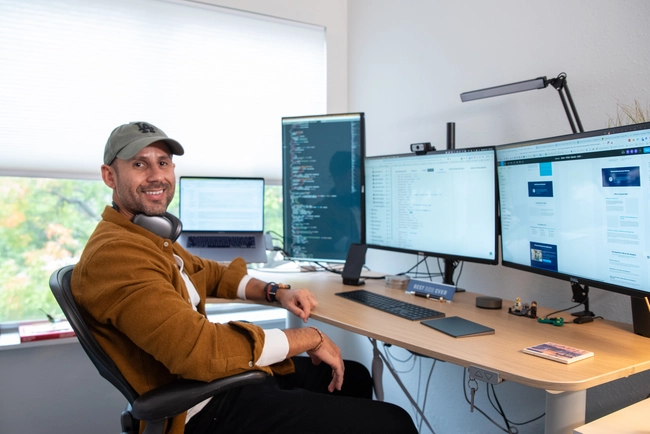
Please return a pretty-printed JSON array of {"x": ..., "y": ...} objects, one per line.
[{"x": 486, "y": 302}]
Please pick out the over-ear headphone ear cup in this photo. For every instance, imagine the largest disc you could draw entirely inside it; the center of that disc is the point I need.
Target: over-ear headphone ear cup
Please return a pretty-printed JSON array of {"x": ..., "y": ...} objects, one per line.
[
  {"x": 167, "y": 226},
  {"x": 177, "y": 226}
]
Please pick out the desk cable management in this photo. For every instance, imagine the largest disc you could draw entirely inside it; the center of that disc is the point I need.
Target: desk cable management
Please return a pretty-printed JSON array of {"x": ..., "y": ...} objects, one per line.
[
  {"x": 428, "y": 274},
  {"x": 388, "y": 359},
  {"x": 380, "y": 359}
]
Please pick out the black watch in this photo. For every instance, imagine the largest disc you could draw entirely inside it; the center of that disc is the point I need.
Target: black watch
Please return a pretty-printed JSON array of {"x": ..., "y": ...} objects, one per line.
[{"x": 272, "y": 291}]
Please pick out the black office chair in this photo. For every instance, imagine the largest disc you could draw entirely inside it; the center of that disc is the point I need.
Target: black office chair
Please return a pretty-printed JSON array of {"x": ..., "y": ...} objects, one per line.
[{"x": 157, "y": 405}]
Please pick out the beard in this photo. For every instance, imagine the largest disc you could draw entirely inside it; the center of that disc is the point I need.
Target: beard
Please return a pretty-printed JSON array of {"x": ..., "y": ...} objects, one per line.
[{"x": 137, "y": 201}]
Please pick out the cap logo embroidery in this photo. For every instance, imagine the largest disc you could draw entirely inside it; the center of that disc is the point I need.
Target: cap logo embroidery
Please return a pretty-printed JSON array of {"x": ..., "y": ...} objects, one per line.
[{"x": 145, "y": 127}]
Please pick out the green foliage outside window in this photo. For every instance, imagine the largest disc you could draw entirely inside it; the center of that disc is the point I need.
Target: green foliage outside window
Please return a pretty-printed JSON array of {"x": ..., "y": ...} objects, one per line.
[
  {"x": 273, "y": 210},
  {"x": 44, "y": 225}
]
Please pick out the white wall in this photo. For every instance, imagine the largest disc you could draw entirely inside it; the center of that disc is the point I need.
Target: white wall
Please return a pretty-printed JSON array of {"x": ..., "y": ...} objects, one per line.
[{"x": 408, "y": 64}]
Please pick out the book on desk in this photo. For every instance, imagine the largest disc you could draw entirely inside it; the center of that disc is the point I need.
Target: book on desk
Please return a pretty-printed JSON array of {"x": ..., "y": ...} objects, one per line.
[{"x": 558, "y": 353}]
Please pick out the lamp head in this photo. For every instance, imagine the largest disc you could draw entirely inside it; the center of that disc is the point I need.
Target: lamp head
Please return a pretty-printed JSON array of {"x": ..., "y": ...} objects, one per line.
[{"x": 520, "y": 86}]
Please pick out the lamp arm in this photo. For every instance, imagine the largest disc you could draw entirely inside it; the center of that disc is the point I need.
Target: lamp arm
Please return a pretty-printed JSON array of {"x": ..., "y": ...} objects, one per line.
[
  {"x": 573, "y": 108},
  {"x": 560, "y": 84}
]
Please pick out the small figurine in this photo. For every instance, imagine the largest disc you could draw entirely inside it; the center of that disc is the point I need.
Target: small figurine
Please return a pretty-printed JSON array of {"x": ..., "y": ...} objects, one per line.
[{"x": 524, "y": 309}]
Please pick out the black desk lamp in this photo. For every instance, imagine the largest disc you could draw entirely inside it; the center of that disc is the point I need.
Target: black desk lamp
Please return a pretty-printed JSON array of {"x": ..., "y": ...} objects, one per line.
[{"x": 559, "y": 83}]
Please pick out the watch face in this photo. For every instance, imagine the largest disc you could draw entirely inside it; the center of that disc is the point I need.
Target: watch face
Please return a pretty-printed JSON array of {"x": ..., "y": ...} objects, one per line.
[
  {"x": 270, "y": 290},
  {"x": 273, "y": 291}
]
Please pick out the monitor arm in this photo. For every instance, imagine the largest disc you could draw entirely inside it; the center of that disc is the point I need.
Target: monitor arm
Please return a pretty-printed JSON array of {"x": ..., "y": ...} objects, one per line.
[{"x": 581, "y": 295}]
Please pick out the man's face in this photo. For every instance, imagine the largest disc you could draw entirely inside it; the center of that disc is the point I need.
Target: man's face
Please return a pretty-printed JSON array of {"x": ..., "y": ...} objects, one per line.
[{"x": 144, "y": 184}]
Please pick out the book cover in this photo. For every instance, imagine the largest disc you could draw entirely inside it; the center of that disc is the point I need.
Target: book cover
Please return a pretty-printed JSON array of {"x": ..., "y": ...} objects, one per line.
[
  {"x": 558, "y": 353},
  {"x": 45, "y": 330},
  {"x": 458, "y": 327}
]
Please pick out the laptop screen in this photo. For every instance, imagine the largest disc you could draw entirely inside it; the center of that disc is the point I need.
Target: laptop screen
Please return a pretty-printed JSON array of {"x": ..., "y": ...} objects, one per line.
[{"x": 209, "y": 204}]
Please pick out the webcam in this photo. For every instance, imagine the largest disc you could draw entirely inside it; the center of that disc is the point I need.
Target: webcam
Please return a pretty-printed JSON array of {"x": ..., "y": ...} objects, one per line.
[{"x": 422, "y": 148}]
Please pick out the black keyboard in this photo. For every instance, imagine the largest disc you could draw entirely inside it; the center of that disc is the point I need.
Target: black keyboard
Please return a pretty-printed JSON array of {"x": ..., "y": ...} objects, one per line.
[
  {"x": 221, "y": 241},
  {"x": 391, "y": 305}
]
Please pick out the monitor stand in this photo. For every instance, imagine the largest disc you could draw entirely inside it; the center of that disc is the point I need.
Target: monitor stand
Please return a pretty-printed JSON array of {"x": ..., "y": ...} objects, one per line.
[
  {"x": 448, "y": 274},
  {"x": 581, "y": 295},
  {"x": 641, "y": 316}
]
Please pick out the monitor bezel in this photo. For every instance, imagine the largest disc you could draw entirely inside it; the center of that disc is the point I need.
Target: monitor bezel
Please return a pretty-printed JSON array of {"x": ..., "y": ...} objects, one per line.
[{"x": 450, "y": 255}]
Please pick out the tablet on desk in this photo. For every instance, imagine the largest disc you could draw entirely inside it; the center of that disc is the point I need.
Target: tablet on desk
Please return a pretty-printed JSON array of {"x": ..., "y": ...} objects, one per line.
[{"x": 458, "y": 327}]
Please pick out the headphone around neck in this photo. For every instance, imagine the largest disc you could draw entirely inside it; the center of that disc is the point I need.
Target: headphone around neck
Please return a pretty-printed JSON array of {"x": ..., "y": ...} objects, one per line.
[{"x": 166, "y": 226}]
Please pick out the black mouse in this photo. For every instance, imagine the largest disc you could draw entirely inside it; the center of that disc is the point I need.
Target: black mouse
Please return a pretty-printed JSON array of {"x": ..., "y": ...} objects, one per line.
[{"x": 583, "y": 319}]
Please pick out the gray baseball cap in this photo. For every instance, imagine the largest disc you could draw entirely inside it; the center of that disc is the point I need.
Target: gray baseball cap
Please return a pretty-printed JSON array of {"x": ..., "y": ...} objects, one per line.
[{"x": 127, "y": 140}]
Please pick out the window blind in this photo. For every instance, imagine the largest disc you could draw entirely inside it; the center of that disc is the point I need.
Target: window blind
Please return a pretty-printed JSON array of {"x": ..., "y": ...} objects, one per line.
[{"x": 215, "y": 79}]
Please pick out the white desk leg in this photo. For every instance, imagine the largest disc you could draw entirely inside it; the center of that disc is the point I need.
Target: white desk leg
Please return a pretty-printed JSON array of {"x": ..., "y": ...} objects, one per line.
[{"x": 564, "y": 411}]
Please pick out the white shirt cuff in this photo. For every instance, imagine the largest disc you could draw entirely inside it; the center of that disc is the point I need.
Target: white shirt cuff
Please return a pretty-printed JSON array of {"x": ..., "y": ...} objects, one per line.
[
  {"x": 276, "y": 347},
  {"x": 241, "y": 289}
]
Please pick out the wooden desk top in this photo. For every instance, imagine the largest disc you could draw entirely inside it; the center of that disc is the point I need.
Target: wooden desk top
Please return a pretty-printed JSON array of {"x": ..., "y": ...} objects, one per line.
[{"x": 618, "y": 351}]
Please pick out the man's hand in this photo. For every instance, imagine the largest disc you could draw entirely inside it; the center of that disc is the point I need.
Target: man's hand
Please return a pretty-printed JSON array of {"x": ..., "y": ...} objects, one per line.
[
  {"x": 299, "y": 302},
  {"x": 320, "y": 348},
  {"x": 331, "y": 354}
]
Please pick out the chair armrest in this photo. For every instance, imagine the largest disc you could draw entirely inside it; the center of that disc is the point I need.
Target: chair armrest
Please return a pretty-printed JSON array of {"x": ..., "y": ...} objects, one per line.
[{"x": 178, "y": 396}]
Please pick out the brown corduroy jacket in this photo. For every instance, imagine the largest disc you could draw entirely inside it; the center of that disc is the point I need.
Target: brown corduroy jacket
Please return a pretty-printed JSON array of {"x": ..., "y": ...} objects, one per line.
[{"x": 131, "y": 293}]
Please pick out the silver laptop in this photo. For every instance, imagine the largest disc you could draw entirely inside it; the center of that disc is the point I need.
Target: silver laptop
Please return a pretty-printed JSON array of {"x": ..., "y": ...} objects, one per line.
[{"x": 223, "y": 218}]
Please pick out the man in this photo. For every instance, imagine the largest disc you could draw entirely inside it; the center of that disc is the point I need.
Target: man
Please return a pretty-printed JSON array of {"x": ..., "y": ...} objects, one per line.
[{"x": 143, "y": 297}]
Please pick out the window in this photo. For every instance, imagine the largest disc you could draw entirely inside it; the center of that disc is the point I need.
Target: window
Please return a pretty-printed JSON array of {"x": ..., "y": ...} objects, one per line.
[
  {"x": 216, "y": 79},
  {"x": 44, "y": 225}
]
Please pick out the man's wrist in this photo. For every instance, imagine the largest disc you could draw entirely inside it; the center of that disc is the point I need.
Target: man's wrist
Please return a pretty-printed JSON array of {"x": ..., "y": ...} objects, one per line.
[
  {"x": 271, "y": 291},
  {"x": 320, "y": 343}
]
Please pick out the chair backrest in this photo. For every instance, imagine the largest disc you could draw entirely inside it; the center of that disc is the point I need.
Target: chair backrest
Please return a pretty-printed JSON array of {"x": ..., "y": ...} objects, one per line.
[{"x": 60, "y": 285}]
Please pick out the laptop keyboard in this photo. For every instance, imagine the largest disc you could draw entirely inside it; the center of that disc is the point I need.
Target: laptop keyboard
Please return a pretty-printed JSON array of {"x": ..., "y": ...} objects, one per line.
[
  {"x": 220, "y": 241},
  {"x": 402, "y": 309}
]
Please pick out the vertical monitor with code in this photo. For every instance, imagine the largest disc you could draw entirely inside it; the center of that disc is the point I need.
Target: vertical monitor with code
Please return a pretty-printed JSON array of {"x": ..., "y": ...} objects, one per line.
[{"x": 322, "y": 181}]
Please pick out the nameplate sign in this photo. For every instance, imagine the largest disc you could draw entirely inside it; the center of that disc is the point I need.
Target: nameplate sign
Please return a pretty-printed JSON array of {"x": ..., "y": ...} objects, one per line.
[{"x": 438, "y": 291}]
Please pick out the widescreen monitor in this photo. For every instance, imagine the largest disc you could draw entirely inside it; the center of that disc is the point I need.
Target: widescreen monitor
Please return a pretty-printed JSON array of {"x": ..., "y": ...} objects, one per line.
[
  {"x": 322, "y": 182},
  {"x": 576, "y": 208},
  {"x": 441, "y": 204}
]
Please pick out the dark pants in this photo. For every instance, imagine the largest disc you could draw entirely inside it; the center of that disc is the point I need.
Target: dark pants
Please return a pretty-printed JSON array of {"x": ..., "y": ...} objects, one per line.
[{"x": 300, "y": 403}]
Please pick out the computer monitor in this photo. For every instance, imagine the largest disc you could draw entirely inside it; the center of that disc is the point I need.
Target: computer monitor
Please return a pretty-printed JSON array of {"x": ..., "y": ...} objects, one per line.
[
  {"x": 576, "y": 208},
  {"x": 322, "y": 180},
  {"x": 441, "y": 204}
]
